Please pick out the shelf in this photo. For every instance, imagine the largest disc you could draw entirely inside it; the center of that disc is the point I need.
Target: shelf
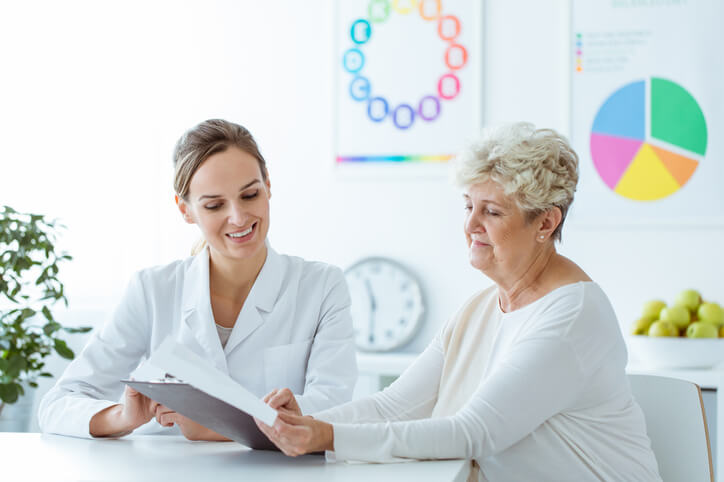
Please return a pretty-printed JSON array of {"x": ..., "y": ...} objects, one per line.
[{"x": 384, "y": 364}]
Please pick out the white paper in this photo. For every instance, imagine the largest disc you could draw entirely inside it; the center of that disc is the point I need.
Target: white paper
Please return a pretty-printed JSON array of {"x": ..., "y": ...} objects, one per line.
[{"x": 187, "y": 366}]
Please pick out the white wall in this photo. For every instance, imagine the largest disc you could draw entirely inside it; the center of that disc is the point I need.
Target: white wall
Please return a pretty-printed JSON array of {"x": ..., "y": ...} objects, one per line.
[{"x": 93, "y": 98}]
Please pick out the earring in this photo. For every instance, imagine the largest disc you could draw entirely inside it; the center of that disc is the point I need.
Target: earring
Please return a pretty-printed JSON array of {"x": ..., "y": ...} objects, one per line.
[{"x": 542, "y": 237}]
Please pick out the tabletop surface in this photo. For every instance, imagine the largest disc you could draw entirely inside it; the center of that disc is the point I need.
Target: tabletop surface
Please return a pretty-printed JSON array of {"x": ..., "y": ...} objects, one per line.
[{"x": 34, "y": 456}]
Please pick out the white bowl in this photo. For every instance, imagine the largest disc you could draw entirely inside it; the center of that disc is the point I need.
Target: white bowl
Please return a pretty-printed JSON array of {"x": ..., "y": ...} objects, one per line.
[{"x": 676, "y": 352}]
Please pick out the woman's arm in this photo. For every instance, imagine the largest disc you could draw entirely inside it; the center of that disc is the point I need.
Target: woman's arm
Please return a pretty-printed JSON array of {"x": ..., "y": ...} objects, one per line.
[
  {"x": 91, "y": 383},
  {"x": 538, "y": 379},
  {"x": 122, "y": 419},
  {"x": 411, "y": 396}
]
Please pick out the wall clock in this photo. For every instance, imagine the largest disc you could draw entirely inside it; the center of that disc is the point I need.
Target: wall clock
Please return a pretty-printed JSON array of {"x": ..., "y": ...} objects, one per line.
[{"x": 387, "y": 303}]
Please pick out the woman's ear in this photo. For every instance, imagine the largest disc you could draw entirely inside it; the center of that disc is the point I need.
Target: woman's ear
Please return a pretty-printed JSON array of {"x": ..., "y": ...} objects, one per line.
[
  {"x": 184, "y": 208},
  {"x": 268, "y": 187},
  {"x": 551, "y": 219}
]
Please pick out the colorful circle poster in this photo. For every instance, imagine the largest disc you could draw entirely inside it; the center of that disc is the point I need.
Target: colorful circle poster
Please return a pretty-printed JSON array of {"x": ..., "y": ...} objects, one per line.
[
  {"x": 645, "y": 109},
  {"x": 408, "y": 81}
]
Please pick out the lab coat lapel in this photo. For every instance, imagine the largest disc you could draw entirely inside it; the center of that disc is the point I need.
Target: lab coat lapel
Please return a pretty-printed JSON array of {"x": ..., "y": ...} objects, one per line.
[
  {"x": 260, "y": 301},
  {"x": 198, "y": 318}
]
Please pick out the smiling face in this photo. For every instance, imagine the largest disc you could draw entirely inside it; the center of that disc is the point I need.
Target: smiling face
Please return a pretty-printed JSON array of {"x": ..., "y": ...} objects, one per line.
[
  {"x": 501, "y": 242},
  {"x": 228, "y": 199}
]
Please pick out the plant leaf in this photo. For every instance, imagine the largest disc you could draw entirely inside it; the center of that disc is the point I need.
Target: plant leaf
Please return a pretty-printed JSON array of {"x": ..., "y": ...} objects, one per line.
[
  {"x": 62, "y": 349},
  {"x": 16, "y": 364},
  {"x": 51, "y": 327},
  {"x": 78, "y": 329},
  {"x": 8, "y": 392},
  {"x": 46, "y": 313}
]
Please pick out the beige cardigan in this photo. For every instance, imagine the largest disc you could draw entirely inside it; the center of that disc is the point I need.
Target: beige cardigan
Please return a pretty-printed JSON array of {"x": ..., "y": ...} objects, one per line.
[{"x": 536, "y": 394}]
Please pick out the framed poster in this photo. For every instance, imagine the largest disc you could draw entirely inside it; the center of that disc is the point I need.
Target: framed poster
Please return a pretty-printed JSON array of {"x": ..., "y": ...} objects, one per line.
[
  {"x": 408, "y": 82},
  {"x": 647, "y": 101}
]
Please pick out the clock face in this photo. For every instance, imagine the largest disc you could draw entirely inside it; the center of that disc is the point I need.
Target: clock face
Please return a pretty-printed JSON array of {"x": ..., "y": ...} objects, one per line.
[{"x": 387, "y": 303}]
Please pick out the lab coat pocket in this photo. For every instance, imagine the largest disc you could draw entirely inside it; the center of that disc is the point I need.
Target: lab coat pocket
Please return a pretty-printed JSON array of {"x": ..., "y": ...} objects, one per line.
[{"x": 285, "y": 366}]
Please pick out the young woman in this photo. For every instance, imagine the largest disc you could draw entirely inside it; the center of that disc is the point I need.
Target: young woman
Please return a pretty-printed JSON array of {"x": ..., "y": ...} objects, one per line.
[{"x": 268, "y": 320}]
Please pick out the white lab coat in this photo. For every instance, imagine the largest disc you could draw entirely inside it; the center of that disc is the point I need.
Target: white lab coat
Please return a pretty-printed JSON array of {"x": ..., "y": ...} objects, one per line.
[{"x": 294, "y": 330}]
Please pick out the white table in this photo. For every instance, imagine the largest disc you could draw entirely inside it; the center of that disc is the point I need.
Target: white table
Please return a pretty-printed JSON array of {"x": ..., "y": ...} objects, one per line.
[
  {"x": 40, "y": 457},
  {"x": 707, "y": 379}
]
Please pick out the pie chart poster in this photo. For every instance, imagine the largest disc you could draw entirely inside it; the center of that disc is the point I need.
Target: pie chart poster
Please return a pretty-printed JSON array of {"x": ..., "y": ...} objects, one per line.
[
  {"x": 408, "y": 81},
  {"x": 647, "y": 107}
]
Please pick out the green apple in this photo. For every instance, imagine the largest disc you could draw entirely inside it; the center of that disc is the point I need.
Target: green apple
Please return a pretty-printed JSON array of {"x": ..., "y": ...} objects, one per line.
[
  {"x": 652, "y": 309},
  {"x": 641, "y": 326},
  {"x": 701, "y": 329},
  {"x": 689, "y": 298},
  {"x": 663, "y": 328},
  {"x": 711, "y": 313},
  {"x": 677, "y": 314}
]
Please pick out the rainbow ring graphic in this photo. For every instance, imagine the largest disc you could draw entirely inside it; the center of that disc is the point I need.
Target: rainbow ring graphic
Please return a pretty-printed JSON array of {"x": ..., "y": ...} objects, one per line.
[{"x": 429, "y": 107}]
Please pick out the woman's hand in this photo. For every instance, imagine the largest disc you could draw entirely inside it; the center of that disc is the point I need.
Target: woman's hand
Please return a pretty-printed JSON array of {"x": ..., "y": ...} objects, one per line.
[
  {"x": 137, "y": 408},
  {"x": 122, "y": 419},
  {"x": 297, "y": 435},
  {"x": 190, "y": 429},
  {"x": 283, "y": 400}
]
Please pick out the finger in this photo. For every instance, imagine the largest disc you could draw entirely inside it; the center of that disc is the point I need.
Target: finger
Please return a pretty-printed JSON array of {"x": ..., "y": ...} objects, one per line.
[
  {"x": 131, "y": 393},
  {"x": 265, "y": 429},
  {"x": 167, "y": 419},
  {"x": 281, "y": 398},
  {"x": 269, "y": 395},
  {"x": 161, "y": 411},
  {"x": 290, "y": 433},
  {"x": 270, "y": 434},
  {"x": 292, "y": 418}
]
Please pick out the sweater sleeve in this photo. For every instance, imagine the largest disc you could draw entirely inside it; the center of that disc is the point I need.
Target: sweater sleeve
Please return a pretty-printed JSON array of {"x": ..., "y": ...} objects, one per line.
[
  {"x": 538, "y": 378},
  {"x": 411, "y": 396},
  {"x": 91, "y": 382}
]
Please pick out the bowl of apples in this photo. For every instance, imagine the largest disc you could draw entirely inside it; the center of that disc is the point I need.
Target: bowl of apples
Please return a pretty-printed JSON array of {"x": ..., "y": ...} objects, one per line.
[{"x": 689, "y": 333}]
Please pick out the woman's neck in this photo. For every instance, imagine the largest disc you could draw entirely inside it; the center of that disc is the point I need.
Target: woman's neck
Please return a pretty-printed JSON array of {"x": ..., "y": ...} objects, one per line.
[
  {"x": 524, "y": 287},
  {"x": 232, "y": 279}
]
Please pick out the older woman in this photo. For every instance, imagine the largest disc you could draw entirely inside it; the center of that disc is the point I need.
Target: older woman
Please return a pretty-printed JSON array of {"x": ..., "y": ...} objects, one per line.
[{"x": 527, "y": 379}]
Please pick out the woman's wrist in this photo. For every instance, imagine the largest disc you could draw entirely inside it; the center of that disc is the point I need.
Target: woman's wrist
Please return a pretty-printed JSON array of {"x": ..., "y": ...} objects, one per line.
[{"x": 110, "y": 422}]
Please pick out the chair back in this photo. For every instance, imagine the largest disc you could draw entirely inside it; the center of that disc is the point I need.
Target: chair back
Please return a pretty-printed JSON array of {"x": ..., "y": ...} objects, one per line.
[{"x": 676, "y": 425}]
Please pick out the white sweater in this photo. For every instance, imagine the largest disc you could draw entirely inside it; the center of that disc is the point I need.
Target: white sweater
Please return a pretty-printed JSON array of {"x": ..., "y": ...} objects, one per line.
[{"x": 536, "y": 394}]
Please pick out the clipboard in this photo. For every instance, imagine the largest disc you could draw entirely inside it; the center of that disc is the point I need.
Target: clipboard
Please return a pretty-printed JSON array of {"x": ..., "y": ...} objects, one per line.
[{"x": 209, "y": 411}]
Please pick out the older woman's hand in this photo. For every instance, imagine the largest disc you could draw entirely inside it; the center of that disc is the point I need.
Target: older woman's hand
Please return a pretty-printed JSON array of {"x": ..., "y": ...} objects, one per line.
[
  {"x": 283, "y": 400},
  {"x": 296, "y": 435}
]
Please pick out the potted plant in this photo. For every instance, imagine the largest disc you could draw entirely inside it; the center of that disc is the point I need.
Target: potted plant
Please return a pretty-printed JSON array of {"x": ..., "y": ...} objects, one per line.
[{"x": 29, "y": 286}]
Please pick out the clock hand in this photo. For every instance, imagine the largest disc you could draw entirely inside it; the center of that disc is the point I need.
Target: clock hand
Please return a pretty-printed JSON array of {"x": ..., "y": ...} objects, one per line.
[{"x": 373, "y": 308}]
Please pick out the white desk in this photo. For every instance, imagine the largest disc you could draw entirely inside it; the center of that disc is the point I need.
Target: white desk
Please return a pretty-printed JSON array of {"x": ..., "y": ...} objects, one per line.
[
  {"x": 707, "y": 379},
  {"x": 38, "y": 457}
]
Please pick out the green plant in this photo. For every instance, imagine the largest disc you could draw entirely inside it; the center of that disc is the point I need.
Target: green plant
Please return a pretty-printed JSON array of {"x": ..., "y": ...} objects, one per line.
[{"x": 29, "y": 286}]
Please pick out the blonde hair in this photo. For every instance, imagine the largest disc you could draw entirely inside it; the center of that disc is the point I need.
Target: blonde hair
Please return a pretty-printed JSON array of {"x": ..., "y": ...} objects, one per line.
[
  {"x": 202, "y": 141},
  {"x": 537, "y": 167}
]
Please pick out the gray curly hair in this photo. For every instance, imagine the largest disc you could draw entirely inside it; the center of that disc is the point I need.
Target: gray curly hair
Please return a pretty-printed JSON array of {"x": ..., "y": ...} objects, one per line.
[{"x": 537, "y": 167}]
